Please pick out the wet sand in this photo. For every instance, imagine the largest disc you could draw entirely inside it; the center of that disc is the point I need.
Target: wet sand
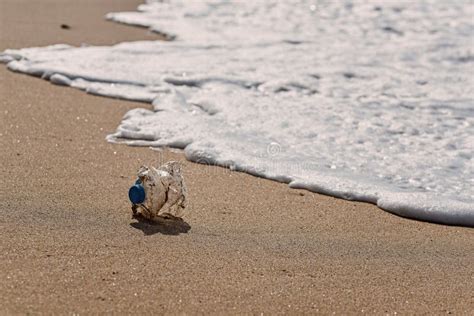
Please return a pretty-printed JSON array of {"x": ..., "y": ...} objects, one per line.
[{"x": 248, "y": 245}]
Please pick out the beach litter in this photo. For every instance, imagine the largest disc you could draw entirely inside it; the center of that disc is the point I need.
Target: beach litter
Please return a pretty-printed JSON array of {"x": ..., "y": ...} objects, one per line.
[{"x": 159, "y": 192}]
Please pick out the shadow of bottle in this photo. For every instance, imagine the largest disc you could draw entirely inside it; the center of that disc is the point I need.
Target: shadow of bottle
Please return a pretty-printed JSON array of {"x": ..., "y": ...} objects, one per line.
[{"x": 166, "y": 225}]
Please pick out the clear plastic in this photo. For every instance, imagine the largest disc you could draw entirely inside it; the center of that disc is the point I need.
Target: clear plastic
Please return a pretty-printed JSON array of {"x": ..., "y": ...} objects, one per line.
[{"x": 165, "y": 192}]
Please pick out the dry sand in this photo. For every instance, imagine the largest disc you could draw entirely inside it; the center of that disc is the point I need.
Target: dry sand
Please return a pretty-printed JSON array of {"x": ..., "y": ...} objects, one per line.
[{"x": 68, "y": 243}]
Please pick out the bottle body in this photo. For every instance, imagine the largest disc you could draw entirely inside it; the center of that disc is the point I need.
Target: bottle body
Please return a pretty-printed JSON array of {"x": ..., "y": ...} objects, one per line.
[{"x": 164, "y": 192}]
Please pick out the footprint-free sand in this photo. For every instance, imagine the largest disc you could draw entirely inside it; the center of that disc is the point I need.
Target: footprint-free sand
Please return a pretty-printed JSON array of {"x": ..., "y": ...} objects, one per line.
[{"x": 249, "y": 246}]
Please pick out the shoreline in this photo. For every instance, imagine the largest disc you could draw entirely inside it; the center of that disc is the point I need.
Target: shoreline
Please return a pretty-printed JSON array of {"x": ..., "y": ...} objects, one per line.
[
  {"x": 415, "y": 193},
  {"x": 70, "y": 245}
]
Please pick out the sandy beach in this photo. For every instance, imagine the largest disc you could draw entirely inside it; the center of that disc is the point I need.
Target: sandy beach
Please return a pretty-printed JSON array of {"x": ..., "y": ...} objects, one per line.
[{"x": 248, "y": 245}]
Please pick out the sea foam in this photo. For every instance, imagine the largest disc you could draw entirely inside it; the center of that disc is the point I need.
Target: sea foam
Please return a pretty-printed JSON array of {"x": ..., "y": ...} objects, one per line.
[{"x": 356, "y": 99}]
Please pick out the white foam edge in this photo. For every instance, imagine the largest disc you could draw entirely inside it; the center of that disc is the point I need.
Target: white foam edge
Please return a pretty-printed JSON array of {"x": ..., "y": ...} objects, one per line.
[{"x": 414, "y": 205}]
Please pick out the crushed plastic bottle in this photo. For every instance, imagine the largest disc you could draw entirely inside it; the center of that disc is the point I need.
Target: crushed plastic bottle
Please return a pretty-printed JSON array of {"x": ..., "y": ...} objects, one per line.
[{"x": 159, "y": 192}]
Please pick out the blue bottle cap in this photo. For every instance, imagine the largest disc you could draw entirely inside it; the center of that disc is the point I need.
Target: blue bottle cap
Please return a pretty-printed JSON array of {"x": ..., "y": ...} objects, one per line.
[{"x": 136, "y": 194}]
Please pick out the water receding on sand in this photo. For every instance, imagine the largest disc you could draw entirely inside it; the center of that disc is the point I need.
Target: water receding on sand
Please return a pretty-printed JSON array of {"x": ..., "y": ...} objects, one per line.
[{"x": 363, "y": 101}]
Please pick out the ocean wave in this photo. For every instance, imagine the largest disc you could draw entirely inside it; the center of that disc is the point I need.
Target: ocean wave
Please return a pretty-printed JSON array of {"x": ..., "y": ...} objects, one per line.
[{"x": 356, "y": 100}]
